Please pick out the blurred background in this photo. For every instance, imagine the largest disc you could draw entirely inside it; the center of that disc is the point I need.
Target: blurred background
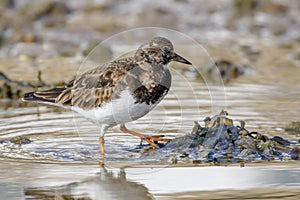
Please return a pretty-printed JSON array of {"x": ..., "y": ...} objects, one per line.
[
  {"x": 36, "y": 34},
  {"x": 253, "y": 45}
]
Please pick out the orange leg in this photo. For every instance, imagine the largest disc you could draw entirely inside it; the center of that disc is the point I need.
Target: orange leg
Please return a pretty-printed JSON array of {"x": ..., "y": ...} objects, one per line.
[
  {"x": 101, "y": 143},
  {"x": 152, "y": 140}
]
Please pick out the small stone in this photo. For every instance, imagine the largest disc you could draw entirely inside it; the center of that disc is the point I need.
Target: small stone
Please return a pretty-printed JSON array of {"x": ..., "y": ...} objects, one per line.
[{"x": 295, "y": 153}]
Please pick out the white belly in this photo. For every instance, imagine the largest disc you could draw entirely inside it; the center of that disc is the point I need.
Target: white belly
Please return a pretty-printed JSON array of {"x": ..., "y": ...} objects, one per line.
[{"x": 117, "y": 111}]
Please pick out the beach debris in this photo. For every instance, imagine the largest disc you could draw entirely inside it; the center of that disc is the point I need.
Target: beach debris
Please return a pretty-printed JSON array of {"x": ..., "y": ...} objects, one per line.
[
  {"x": 18, "y": 140},
  {"x": 220, "y": 141},
  {"x": 14, "y": 89}
]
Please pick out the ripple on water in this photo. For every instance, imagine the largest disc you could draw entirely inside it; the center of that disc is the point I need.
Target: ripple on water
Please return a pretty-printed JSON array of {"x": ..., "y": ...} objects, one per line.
[{"x": 59, "y": 135}]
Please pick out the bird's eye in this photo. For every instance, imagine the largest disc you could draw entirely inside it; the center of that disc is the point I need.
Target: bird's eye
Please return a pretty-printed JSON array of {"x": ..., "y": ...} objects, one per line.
[{"x": 166, "y": 49}]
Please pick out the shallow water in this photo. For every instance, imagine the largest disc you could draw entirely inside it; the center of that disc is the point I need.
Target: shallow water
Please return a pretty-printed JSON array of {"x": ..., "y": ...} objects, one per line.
[
  {"x": 60, "y": 135},
  {"x": 65, "y": 146},
  {"x": 142, "y": 183}
]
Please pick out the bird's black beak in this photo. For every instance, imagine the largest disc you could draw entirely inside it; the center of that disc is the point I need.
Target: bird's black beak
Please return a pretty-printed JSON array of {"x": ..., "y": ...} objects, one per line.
[{"x": 179, "y": 58}]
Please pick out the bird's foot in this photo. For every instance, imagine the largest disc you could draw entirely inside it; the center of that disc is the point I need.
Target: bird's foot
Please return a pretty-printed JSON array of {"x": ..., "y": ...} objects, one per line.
[
  {"x": 150, "y": 139},
  {"x": 153, "y": 139},
  {"x": 101, "y": 164}
]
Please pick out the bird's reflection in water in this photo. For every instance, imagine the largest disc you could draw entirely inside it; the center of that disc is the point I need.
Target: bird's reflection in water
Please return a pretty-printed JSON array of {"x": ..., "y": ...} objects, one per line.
[{"x": 107, "y": 185}]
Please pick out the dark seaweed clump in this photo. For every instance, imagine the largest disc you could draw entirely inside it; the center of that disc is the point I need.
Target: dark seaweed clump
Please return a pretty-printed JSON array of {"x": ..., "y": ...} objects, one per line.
[
  {"x": 14, "y": 89},
  {"x": 219, "y": 141}
]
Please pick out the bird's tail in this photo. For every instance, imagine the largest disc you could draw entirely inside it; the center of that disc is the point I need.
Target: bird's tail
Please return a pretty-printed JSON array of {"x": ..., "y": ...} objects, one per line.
[{"x": 43, "y": 96}]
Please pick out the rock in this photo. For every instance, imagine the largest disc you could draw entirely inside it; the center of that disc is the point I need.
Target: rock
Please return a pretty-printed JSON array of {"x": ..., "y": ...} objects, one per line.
[
  {"x": 218, "y": 120},
  {"x": 281, "y": 141},
  {"x": 13, "y": 89},
  {"x": 220, "y": 141},
  {"x": 295, "y": 153},
  {"x": 228, "y": 71},
  {"x": 19, "y": 140},
  {"x": 224, "y": 69}
]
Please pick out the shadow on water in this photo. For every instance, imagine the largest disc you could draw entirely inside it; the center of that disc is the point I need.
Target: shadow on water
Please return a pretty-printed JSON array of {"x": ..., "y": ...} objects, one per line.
[
  {"x": 178, "y": 183},
  {"x": 106, "y": 185}
]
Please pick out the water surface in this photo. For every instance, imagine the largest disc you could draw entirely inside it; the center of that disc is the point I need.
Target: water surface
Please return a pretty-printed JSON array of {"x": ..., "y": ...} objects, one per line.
[{"x": 64, "y": 152}]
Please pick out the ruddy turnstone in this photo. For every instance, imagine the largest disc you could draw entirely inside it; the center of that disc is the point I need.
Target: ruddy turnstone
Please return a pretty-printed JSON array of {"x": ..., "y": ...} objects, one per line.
[{"x": 120, "y": 91}]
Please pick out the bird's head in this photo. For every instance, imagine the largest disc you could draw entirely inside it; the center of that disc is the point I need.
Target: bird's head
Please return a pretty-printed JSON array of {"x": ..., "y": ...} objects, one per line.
[{"x": 158, "y": 50}]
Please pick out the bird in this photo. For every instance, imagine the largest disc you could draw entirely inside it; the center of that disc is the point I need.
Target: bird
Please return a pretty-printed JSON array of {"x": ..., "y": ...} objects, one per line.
[{"x": 120, "y": 91}]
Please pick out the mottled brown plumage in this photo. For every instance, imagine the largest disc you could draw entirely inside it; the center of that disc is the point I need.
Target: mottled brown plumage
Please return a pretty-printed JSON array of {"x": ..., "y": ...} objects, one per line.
[{"x": 144, "y": 76}]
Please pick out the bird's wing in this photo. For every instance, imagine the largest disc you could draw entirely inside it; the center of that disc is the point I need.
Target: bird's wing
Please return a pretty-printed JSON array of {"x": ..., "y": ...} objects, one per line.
[{"x": 91, "y": 88}]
